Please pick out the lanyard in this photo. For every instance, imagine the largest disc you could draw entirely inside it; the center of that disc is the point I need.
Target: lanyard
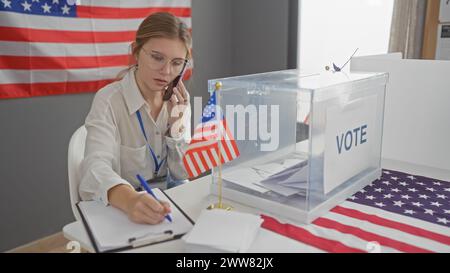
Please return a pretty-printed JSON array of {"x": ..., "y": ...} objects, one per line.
[{"x": 155, "y": 159}]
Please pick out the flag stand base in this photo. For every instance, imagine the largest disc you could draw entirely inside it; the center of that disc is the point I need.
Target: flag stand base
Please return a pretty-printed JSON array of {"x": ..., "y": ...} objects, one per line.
[{"x": 220, "y": 206}]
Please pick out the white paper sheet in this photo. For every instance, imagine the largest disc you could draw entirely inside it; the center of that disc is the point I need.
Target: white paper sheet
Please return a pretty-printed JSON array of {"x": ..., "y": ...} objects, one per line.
[
  {"x": 230, "y": 231},
  {"x": 252, "y": 177},
  {"x": 111, "y": 227},
  {"x": 246, "y": 177},
  {"x": 289, "y": 181}
]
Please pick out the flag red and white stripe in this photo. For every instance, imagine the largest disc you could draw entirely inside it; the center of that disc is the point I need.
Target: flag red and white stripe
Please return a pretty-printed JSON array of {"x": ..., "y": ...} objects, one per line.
[
  {"x": 351, "y": 227},
  {"x": 46, "y": 55},
  {"x": 212, "y": 143}
]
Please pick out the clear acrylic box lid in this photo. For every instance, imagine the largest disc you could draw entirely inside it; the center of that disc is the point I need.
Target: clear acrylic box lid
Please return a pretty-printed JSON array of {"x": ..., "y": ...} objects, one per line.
[{"x": 295, "y": 80}]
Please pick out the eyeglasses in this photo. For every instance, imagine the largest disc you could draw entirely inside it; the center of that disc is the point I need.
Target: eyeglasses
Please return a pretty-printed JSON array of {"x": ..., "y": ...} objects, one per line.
[{"x": 158, "y": 61}]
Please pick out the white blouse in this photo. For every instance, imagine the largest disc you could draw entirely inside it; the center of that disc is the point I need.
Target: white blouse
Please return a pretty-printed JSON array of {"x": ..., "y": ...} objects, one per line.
[{"x": 116, "y": 149}]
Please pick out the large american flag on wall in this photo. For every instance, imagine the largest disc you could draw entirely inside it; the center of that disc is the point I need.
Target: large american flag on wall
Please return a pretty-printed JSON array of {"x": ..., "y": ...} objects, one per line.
[
  {"x": 400, "y": 212},
  {"x": 52, "y": 47}
]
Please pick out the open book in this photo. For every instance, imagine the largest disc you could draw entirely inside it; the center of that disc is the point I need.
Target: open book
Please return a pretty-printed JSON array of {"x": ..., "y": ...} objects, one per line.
[{"x": 110, "y": 229}]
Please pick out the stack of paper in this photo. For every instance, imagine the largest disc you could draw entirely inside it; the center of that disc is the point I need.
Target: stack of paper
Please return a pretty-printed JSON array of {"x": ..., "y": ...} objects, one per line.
[
  {"x": 289, "y": 181},
  {"x": 246, "y": 177},
  {"x": 285, "y": 177},
  {"x": 223, "y": 231}
]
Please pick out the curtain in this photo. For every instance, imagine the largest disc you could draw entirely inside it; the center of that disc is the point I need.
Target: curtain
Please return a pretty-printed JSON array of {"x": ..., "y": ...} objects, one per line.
[{"x": 408, "y": 20}]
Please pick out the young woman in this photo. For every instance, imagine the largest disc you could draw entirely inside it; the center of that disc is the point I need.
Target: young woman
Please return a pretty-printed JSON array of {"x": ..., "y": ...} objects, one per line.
[{"x": 132, "y": 130}]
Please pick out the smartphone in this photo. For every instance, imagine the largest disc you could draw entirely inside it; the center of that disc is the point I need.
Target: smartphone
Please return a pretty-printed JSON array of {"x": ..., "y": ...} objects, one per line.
[{"x": 169, "y": 91}]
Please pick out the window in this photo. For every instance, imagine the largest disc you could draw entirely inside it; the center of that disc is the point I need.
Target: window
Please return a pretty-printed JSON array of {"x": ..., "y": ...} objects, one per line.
[{"x": 330, "y": 31}]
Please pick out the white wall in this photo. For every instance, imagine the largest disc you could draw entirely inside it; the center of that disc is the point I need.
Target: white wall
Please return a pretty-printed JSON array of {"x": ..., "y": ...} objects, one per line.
[{"x": 417, "y": 108}]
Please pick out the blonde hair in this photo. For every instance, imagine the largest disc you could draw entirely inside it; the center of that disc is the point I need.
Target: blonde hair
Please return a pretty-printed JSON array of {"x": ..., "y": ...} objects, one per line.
[{"x": 159, "y": 25}]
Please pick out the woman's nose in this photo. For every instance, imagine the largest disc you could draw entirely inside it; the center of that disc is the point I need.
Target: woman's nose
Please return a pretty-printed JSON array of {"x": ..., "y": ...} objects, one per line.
[{"x": 166, "y": 69}]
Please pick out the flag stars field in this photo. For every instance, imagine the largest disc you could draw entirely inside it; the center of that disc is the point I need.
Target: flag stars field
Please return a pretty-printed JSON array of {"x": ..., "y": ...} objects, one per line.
[{"x": 427, "y": 200}]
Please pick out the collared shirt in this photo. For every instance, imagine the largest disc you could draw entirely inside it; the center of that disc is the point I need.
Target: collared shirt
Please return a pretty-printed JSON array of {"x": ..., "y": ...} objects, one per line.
[{"x": 116, "y": 149}]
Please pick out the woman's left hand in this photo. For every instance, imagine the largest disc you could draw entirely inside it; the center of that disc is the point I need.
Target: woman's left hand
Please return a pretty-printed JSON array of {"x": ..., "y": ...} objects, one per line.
[{"x": 177, "y": 105}]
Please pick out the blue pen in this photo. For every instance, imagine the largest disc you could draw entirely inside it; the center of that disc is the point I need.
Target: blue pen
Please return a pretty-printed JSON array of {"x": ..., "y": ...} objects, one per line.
[{"x": 149, "y": 190}]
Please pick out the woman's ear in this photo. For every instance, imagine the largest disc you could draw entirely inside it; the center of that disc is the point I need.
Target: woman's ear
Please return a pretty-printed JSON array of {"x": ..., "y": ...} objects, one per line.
[{"x": 133, "y": 51}]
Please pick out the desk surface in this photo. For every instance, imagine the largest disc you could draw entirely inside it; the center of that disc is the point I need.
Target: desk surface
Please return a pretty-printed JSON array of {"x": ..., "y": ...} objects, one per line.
[{"x": 193, "y": 197}]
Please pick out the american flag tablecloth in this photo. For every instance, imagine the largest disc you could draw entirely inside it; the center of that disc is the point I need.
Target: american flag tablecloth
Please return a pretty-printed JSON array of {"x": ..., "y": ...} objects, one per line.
[{"x": 398, "y": 213}]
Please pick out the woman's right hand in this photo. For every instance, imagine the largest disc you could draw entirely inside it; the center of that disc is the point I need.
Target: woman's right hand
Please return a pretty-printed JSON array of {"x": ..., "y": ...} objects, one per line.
[
  {"x": 140, "y": 207},
  {"x": 144, "y": 209}
]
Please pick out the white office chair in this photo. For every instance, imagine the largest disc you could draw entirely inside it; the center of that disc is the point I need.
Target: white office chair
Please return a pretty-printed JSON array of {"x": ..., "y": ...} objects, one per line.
[{"x": 75, "y": 156}]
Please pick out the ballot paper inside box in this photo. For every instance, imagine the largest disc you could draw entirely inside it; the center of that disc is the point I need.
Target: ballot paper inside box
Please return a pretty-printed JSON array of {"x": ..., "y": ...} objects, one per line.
[{"x": 306, "y": 142}]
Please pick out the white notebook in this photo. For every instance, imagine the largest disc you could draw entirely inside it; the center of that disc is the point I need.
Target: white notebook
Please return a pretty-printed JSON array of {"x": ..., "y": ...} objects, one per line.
[{"x": 110, "y": 229}]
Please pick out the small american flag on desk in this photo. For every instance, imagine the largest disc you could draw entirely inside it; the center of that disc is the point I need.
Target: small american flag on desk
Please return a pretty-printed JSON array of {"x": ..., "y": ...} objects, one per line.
[
  {"x": 50, "y": 47},
  {"x": 204, "y": 150}
]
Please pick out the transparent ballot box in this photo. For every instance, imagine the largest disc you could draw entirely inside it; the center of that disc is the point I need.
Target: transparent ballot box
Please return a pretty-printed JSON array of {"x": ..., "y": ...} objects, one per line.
[{"x": 296, "y": 145}]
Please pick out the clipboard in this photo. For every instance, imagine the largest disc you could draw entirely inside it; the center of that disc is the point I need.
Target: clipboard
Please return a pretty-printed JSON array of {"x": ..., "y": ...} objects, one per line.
[{"x": 146, "y": 241}]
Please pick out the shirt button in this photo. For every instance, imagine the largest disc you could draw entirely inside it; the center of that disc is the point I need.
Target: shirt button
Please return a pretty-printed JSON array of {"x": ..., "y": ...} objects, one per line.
[
  {"x": 158, "y": 156},
  {"x": 157, "y": 133}
]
